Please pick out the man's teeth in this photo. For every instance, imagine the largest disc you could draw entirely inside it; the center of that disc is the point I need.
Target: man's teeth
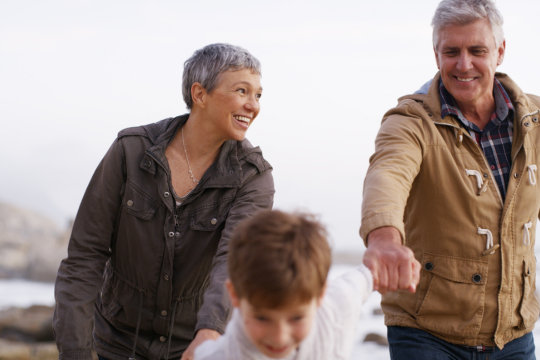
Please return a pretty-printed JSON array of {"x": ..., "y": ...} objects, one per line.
[
  {"x": 465, "y": 79},
  {"x": 243, "y": 119}
]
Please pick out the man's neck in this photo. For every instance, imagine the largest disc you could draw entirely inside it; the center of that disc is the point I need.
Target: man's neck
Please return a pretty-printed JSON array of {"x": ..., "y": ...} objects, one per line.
[{"x": 479, "y": 112}]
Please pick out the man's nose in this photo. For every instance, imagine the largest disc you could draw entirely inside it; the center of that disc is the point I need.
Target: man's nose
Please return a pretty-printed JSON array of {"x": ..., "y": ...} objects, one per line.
[{"x": 464, "y": 63}]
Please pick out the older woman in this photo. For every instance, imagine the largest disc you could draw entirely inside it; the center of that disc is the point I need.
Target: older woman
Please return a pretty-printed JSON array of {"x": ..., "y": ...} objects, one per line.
[{"x": 147, "y": 256}]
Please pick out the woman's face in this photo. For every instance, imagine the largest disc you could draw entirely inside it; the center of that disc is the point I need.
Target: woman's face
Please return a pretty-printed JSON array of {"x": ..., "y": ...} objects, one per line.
[{"x": 234, "y": 103}]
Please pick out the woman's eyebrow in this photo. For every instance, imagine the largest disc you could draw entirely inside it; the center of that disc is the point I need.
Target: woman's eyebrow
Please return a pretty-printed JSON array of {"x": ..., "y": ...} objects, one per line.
[{"x": 246, "y": 83}]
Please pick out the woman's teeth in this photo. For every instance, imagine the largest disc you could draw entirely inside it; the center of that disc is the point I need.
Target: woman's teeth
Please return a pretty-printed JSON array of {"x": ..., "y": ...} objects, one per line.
[{"x": 242, "y": 119}]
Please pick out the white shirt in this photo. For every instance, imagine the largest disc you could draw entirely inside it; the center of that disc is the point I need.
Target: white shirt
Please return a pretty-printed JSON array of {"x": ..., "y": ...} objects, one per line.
[{"x": 330, "y": 338}]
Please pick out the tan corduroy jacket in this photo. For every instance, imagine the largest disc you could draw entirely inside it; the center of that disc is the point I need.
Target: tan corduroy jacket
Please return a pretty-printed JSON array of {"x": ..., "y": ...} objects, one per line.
[{"x": 431, "y": 181}]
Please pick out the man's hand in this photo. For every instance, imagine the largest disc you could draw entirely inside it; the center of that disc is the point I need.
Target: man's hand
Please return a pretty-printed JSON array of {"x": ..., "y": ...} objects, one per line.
[
  {"x": 393, "y": 265},
  {"x": 202, "y": 336}
]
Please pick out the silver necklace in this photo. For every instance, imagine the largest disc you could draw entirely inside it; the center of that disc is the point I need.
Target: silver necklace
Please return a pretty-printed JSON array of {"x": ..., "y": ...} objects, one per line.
[{"x": 187, "y": 159}]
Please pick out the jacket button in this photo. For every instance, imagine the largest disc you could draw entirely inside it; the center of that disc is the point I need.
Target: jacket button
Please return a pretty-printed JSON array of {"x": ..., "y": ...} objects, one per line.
[
  {"x": 164, "y": 313},
  {"x": 477, "y": 278},
  {"x": 527, "y": 124},
  {"x": 177, "y": 233},
  {"x": 535, "y": 119},
  {"x": 485, "y": 175},
  {"x": 166, "y": 194},
  {"x": 149, "y": 163},
  {"x": 129, "y": 203},
  {"x": 171, "y": 234},
  {"x": 166, "y": 277},
  {"x": 428, "y": 266},
  {"x": 162, "y": 338},
  {"x": 493, "y": 338},
  {"x": 213, "y": 221},
  {"x": 516, "y": 175}
]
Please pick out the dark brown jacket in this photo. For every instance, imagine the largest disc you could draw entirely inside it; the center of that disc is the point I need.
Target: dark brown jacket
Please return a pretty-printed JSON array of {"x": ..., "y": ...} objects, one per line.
[{"x": 136, "y": 260}]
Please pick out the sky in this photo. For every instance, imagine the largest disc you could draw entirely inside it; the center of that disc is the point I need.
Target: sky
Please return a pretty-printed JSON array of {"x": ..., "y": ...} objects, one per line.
[{"x": 74, "y": 73}]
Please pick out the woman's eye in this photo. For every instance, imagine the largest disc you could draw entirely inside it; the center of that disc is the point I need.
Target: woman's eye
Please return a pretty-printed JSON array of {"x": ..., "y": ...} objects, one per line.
[
  {"x": 261, "y": 318},
  {"x": 242, "y": 91},
  {"x": 259, "y": 96}
]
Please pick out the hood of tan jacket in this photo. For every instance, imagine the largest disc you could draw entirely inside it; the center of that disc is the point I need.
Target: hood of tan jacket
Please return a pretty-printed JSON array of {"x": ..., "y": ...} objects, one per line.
[{"x": 431, "y": 181}]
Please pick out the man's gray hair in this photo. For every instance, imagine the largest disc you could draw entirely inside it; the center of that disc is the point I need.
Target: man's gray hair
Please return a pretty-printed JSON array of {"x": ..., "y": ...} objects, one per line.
[
  {"x": 464, "y": 12},
  {"x": 206, "y": 65}
]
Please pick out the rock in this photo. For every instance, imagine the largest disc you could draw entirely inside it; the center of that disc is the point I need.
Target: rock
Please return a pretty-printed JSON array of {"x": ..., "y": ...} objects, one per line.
[
  {"x": 28, "y": 325},
  {"x": 12, "y": 350},
  {"x": 376, "y": 338},
  {"x": 31, "y": 245}
]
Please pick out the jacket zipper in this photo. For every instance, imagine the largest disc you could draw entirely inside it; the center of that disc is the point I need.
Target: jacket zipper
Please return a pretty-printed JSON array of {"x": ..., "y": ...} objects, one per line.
[{"x": 485, "y": 161}]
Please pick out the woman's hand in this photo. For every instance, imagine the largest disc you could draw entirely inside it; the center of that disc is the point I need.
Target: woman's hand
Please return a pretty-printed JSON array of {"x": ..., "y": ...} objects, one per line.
[{"x": 202, "y": 336}]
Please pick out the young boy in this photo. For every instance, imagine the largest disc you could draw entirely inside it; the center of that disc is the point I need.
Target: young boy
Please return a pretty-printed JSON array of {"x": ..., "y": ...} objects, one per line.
[{"x": 278, "y": 265}]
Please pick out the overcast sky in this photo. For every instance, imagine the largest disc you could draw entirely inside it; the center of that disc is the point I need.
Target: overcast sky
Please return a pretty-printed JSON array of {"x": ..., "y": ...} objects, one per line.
[{"x": 74, "y": 73}]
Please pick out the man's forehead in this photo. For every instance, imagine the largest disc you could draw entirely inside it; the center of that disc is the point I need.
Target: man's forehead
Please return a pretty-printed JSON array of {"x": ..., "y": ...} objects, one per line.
[{"x": 475, "y": 34}]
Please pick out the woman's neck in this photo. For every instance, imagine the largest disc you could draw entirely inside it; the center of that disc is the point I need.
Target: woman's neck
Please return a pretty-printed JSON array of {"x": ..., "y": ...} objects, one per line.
[{"x": 199, "y": 140}]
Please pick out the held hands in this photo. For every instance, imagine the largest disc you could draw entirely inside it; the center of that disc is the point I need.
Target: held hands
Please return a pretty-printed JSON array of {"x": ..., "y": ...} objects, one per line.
[
  {"x": 202, "y": 336},
  {"x": 393, "y": 265}
]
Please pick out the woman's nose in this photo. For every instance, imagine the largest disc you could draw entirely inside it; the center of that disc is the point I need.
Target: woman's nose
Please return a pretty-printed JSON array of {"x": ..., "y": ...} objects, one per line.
[{"x": 252, "y": 104}]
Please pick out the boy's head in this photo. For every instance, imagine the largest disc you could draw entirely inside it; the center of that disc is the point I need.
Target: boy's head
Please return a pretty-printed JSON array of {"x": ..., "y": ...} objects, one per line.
[{"x": 278, "y": 264}]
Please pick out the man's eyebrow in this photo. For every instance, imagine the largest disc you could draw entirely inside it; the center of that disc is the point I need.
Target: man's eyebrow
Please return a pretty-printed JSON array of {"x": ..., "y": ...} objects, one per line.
[
  {"x": 246, "y": 83},
  {"x": 478, "y": 47}
]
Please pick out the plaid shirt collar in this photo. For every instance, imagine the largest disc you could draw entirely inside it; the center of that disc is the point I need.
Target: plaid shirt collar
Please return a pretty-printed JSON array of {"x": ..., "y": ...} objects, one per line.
[{"x": 504, "y": 110}]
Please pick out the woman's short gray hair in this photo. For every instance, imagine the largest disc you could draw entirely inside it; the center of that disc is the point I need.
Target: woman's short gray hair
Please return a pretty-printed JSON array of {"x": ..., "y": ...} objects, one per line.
[
  {"x": 207, "y": 64},
  {"x": 464, "y": 12}
]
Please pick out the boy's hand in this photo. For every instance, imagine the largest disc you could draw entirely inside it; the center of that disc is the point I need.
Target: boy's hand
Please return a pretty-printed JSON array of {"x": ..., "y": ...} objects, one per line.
[
  {"x": 393, "y": 265},
  {"x": 202, "y": 336}
]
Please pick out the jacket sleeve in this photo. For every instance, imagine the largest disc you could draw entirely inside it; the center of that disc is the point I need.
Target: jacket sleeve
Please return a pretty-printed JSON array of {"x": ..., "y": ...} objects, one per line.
[
  {"x": 79, "y": 278},
  {"x": 399, "y": 149},
  {"x": 257, "y": 193}
]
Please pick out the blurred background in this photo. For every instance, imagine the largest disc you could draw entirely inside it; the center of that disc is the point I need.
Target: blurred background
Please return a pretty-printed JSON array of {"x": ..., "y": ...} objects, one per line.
[{"x": 74, "y": 73}]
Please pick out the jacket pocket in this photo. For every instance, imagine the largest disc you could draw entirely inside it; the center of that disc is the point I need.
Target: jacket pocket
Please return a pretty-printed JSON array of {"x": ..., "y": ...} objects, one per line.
[
  {"x": 451, "y": 295},
  {"x": 529, "y": 307},
  {"x": 209, "y": 217},
  {"x": 138, "y": 203}
]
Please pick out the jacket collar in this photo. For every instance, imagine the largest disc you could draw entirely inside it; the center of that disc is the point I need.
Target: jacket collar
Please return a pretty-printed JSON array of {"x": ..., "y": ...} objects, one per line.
[
  {"x": 224, "y": 172},
  {"x": 523, "y": 106}
]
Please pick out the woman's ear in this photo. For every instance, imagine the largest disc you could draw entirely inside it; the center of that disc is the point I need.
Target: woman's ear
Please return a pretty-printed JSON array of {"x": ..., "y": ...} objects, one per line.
[
  {"x": 232, "y": 293},
  {"x": 198, "y": 94}
]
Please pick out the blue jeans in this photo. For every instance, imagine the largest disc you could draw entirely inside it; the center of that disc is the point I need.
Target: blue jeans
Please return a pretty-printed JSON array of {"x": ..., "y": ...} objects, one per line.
[{"x": 413, "y": 344}]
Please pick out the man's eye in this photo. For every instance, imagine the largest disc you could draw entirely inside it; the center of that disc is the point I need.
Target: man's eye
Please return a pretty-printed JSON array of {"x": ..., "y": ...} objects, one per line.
[
  {"x": 297, "y": 318},
  {"x": 259, "y": 96},
  {"x": 261, "y": 318}
]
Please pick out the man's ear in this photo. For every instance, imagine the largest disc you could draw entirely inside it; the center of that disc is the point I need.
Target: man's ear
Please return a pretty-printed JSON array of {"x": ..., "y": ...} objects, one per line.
[
  {"x": 436, "y": 58},
  {"x": 198, "y": 95},
  {"x": 319, "y": 300},
  {"x": 232, "y": 293},
  {"x": 501, "y": 50}
]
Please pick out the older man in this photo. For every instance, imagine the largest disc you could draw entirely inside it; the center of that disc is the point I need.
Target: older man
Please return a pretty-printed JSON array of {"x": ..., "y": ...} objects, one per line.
[{"x": 451, "y": 201}]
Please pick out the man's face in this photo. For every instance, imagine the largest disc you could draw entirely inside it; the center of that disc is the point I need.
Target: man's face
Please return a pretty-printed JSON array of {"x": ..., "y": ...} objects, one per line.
[{"x": 467, "y": 57}]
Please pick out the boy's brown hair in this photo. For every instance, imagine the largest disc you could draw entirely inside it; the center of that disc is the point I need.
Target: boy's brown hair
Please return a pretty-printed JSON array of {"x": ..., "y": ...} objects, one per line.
[{"x": 277, "y": 258}]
